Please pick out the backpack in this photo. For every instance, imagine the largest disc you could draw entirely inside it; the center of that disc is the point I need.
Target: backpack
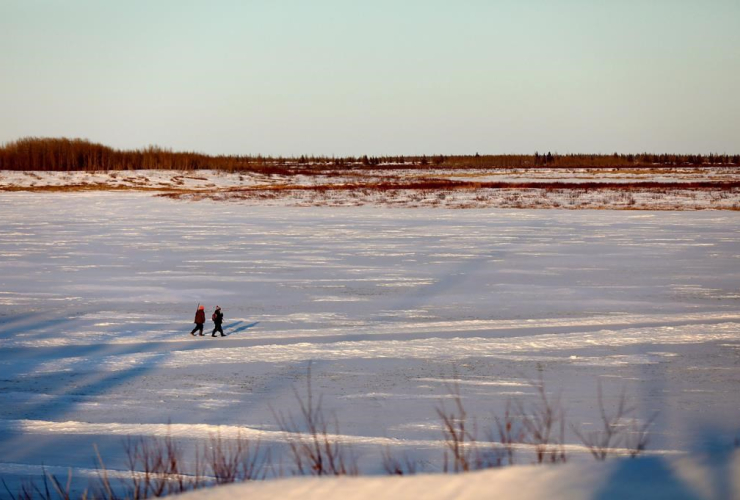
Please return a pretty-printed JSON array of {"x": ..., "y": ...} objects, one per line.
[{"x": 214, "y": 317}]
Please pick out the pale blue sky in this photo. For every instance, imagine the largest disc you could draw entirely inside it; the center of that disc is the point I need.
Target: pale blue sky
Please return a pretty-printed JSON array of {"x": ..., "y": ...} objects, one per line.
[{"x": 376, "y": 77}]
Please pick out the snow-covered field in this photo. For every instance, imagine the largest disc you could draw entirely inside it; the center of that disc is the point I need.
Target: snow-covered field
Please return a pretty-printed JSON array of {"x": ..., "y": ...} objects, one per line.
[
  {"x": 661, "y": 188},
  {"x": 204, "y": 180},
  {"x": 98, "y": 291}
]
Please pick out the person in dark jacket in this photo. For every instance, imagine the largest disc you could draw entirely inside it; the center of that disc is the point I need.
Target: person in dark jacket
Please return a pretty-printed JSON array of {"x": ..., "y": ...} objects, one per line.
[
  {"x": 200, "y": 319},
  {"x": 218, "y": 318}
]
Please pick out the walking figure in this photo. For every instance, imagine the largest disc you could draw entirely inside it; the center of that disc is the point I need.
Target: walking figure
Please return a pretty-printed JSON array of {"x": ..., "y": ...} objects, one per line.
[
  {"x": 200, "y": 319},
  {"x": 218, "y": 318}
]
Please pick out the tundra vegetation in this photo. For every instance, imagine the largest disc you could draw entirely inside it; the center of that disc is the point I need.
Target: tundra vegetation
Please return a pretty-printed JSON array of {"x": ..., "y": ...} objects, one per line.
[
  {"x": 62, "y": 154},
  {"x": 575, "y": 181}
]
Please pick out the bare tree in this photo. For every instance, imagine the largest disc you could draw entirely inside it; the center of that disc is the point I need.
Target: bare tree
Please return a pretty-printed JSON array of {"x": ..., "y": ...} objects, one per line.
[
  {"x": 602, "y": 442},
  {"x": 636, "y": 440},
  {"x": 314, "y": 450},
  {"x": 544, "y": 423},
  {"x": 235, "y": 460},
  {"x": 509, "y": 434},
  {"x": 460, "y": 443},
  {"x": 398, "y": 467}
]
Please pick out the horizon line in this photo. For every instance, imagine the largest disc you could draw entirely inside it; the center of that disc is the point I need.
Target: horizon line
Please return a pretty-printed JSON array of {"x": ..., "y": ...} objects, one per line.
[{"x": 167, "y": 149}]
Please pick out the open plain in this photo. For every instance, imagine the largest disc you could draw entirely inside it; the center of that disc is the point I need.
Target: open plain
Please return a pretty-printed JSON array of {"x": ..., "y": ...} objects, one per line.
[{"x": 98, "y": 290}]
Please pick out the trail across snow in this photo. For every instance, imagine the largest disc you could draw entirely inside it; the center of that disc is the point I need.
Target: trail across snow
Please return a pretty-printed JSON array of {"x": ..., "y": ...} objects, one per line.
[{"x": 98, "y": 291}]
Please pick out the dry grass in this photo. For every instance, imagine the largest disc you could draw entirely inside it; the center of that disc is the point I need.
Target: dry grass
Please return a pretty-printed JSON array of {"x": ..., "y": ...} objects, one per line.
[
  {"x": 544, "y": 425},
  {"x": 395, "y": 466},
  {"x": 400, "y": 181},
  {"x": 71, "y": 188},
  {"x": 461, "y": 452},
  {"x": 313, "y": 448},
  {"x": 618, "y": 428},
  {"x": 62, "y": 154}
]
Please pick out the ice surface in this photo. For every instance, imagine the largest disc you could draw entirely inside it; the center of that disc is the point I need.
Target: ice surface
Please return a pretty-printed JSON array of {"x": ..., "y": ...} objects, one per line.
[{"x": 98, "y": 291}]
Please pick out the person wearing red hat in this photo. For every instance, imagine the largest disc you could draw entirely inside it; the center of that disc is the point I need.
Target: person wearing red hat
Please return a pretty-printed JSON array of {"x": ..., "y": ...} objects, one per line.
[{"x": 200, "y": 319}]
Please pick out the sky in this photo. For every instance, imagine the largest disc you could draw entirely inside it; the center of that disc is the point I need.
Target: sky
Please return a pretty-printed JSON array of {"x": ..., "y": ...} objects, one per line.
[{"x": 344, "y": 77}]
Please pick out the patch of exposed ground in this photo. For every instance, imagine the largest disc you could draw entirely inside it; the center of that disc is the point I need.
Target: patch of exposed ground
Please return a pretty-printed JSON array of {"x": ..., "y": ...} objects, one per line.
[{"x": 679, "y": 188}]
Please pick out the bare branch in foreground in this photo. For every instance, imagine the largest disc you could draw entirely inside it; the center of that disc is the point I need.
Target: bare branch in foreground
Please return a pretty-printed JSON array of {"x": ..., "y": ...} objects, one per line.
[{"x": 313, "y": 448}]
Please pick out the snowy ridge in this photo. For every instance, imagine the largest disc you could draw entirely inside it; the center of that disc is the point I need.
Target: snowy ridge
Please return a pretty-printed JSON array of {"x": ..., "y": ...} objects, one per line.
[
  {"x": 205, "y": 431},
  {"x": 648, "y": 478},
  {"x": 676, "y": 478}
]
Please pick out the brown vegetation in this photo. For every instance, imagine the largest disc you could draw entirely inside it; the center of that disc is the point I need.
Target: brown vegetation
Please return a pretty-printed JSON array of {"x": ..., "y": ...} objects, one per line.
[
  {"x": 61, "y": 154},
  {"x": 446, "y": 184},
  {"x": 313, "y": 449},
  {"x": 618, "y": 428}
]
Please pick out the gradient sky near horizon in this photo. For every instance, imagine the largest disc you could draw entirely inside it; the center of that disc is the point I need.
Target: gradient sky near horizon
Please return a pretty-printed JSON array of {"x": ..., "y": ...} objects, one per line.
[{"x": 342, "y": 77}]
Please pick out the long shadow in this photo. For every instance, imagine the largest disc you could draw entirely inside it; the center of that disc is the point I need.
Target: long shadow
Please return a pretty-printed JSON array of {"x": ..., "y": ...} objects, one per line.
[
  {"x": 36, "y": 355},
  {"x": 62, "y": 400},
  {"x": 647, "y": 477},
  {"x": 9, "y": 319},
  {"x": 60, "y": 391},
  {"x": 65, "y": 387},
  {"x": 40, "y": 324},
  {"x": 187, "y": 344},
  {"x": 89, "y": 383},
  {"x": 450, "y": 280},
  {"x": 63, "y": 393},
  {"x": 29, "y": 355},
  {"x": 242, "y": 328}
]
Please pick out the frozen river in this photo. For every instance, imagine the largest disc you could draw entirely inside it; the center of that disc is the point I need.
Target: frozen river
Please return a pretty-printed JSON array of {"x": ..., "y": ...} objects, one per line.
[{"x": 98, "y": 292}]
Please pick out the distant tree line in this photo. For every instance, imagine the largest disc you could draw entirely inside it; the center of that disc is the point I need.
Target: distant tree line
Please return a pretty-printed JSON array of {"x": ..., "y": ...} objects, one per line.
[
  {"x": 61, "y": 154},
  {"x": 79, "y": 154}
]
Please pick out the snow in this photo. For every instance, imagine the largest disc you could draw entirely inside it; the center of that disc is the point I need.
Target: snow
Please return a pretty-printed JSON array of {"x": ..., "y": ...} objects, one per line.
[
  {"x": 98, "y": 291},
  {"x": 653, "y": 478},
  {"x": 203, "y": 180},
  {"x": 360, "y": 187}
]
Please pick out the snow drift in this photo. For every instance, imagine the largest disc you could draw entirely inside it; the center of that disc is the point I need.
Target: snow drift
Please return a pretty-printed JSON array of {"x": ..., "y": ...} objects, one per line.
[{"x": 710, "y": 477}]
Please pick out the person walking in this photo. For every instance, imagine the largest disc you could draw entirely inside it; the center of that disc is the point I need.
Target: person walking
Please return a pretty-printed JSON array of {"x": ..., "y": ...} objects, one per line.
[
  {"x": 218, "y": 318},
  {"x": 200, "y": 319}
]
